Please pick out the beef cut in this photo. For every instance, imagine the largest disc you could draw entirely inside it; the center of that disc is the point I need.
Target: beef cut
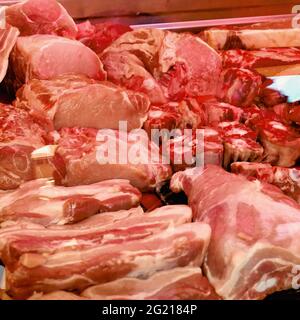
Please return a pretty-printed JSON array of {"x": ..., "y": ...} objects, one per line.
[
  {"x": 255, "y": 231},
  {"x": 287, "y": 179},
  {"x": 90, "y": 156},
  {"x": 8, "y": 38},
  {"x": 77, "y": 101},
  {"x": 19, "y": 136},
  {"x": 39, "y": 201},
  {"x": 47, "y": 56},
  {"x": 41, "y": 17},
  {"x": 179, "y": 246}
]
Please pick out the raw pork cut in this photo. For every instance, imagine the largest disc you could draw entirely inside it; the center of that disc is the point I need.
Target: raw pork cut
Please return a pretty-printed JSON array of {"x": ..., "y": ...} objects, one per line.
[
  {"x": 126, "y": 69},
  {"x": 261, "y": 35},
  {"x": 91, "y": 156},
  {"x": 287, "y": 179},
  {"x": 255, "y": 231},
  {"x": 39, "y": 201},
  {"x": 8, "y": 38},
  {"x": 47, "y": 56},
  {"x": 15, "y": 243},
  {"x": 99, "y": 36},
  {"x": 19, "y": 136},
  {"x": 178, "y": 284},
  {"x": 41, "y": 17},
  {"x": 183, "y": 64},
  {"x": 180, "y": 246},
  {"x": 77, "y": 101}
]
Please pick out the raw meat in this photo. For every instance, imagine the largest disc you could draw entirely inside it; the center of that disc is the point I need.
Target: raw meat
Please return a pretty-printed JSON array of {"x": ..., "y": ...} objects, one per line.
[
  {"x": 178, "y": 284},
  {"x": 19, "y": 136},
  {"x": 91, "y": 156},
  {"x": 39, "y": 201},
  {"x": 239, "y": 143},
  {"x": 255, "y": 231},
  {"x": 46, "y": 57},
  {"x": 125, "y": 69},
  {"x": 256, "y": 36},
  {"x": 13, "y": 244},
  {"x": 101, "y": 35},
  {"x": 239, "y": 87},
  {"x": 41, "y": 17},
  {"x": 184, "y": 149},
  {"x": 287, "y": 179},
  {"x": 263, "y": 58},
  {"x": 8, "y": 38},
  {"x": 281, "y": 142},
  {"x": 183, "y": 64},
  {"x": 77, "y": 101},
  {"x": 180, "y": 246}
]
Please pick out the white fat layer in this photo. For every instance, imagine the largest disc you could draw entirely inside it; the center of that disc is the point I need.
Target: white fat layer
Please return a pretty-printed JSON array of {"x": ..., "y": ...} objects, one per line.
[{"x": 265, "y": 284}]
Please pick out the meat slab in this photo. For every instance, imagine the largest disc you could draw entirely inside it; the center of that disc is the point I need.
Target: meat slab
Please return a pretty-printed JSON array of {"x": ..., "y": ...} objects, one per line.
[
  {"x": 287, "y": 179},
  {"x": 89, "y": 158},
  {"x": 180, "y": 246},
  {"x": 15, "y": 242},
  {"x": 8, "y": 38},
  {"x": 19, "y": 136},
  {"x": 39, "y": 201},
  {"x": 255, "y": 231},
  {"x": 48, "y": 56},
  {"x": 41, "y": 17},
  {"x": 77, "y": 101}
]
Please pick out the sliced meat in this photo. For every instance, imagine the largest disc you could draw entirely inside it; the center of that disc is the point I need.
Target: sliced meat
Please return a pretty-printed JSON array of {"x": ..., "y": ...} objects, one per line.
[
  {"x": 287, "y": 179},
  {"x": 41, "y": 17},
  {"x": 178, "y": 284},
  {"x": 91, "y": 156},
  {"x": 76, "y": 270},
  {"x": 46, "y": 57},
  {"x": 255, "y": 231},
  {"x": 19, "y": 136},
  {"x": 77, "y": 101},
  {"x": 39, "y": 201},
  {"x": 8, "y": 38}
]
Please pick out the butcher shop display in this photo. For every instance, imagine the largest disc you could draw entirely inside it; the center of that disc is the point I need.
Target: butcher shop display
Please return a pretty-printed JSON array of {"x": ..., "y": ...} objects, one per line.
[{"x": 147, "y": 163}]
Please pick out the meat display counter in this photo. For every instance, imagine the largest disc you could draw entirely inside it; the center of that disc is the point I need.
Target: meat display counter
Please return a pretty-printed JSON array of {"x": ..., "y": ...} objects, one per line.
[{"x": 75, "y": 226}]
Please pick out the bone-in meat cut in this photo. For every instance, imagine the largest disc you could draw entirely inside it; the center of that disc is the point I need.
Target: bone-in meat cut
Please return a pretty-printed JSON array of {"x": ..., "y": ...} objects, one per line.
[{"x": 255, "y": 231}]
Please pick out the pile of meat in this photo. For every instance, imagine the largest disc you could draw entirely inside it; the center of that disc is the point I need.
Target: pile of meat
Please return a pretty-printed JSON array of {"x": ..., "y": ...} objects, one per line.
[{"x": 76, "y": 226}]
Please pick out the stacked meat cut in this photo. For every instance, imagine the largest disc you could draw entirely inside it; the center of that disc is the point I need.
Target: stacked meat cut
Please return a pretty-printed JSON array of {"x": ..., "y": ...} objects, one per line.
[{"x": 106, "y": 122}]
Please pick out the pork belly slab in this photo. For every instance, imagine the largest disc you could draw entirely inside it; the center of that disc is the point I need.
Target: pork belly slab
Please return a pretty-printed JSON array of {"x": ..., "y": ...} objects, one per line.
[
  {"x": 91, "y": 156},
  {"x": 255, "y": 231},
  {"x": 39, "y": 201},
  {"x": 41, "y": 17},
  {"x": 179, "y": 246},
  {"x": 48, "y": 56},
  {"x": 77, "y": 101},
  {"x": 185, "y": 283},
  {"x": 16, "y": 242}
]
